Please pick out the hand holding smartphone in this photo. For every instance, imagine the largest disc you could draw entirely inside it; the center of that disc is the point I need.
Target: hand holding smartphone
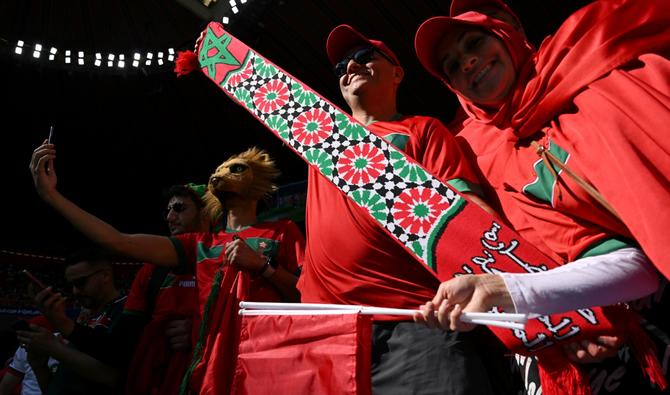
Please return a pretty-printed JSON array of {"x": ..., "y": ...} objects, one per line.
[
  {"x": 51, "y": 135},
  {"x": 50, "y": 140}
]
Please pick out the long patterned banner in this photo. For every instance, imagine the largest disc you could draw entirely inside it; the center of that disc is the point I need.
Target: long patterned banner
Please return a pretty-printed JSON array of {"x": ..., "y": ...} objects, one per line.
[{"x": 429, "y": 218}]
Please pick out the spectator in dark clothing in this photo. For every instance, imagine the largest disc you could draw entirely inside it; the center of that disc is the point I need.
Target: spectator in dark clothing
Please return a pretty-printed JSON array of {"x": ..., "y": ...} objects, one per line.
[{"x": 89, "y": 361}]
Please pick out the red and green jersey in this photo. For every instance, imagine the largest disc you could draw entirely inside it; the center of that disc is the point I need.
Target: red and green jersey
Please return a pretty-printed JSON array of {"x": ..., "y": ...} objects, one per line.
[
  {"x": 280, "y": 239},
  {"x": 155, "y": 368},
  {"x": 349, "y": 258},
  {"x": 177, "y": 295},
  {"x": 221, "y": 287},
  {"x": 557, "y": 216}
]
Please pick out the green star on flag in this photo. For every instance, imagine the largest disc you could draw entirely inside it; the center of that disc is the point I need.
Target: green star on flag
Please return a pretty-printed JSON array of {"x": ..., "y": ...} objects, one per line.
[{"x": 222, "y": 55}]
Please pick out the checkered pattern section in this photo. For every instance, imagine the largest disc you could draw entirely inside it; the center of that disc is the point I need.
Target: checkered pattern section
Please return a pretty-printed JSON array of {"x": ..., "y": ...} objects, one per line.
[{"x": 398, "y": 193}]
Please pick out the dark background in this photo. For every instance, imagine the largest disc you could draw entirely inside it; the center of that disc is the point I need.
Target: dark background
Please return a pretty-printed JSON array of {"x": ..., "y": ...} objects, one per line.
[{"x": 123, "y": 136}]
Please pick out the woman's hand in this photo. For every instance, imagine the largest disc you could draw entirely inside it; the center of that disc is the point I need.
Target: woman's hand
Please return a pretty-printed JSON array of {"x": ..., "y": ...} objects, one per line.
[{"x": 479, "y": 293}]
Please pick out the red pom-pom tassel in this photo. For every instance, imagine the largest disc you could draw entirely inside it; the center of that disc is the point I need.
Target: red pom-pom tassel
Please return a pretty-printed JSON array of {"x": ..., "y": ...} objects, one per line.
[{"x": 187, "y": 61}]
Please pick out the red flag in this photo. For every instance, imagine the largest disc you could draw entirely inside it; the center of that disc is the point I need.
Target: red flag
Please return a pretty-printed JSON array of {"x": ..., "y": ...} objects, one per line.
[
  {"x": 214, "y": 356},
  {"x": 304, "y": 354}
]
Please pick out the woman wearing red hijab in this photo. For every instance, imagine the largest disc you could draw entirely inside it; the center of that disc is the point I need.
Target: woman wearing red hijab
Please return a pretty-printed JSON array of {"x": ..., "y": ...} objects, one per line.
[{"x": 595, "y": 97}]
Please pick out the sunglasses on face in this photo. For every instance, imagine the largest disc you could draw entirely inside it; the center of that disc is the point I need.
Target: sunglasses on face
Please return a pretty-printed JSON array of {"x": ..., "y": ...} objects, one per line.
[
  {"x": 177, "y": 207},
  {"x": 361, "y": 56},
  {"x": 80, "y": 282}
]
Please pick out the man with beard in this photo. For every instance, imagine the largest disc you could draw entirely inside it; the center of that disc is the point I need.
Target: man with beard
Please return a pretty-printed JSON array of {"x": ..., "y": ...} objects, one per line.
[{"x": 84, "y": 360}]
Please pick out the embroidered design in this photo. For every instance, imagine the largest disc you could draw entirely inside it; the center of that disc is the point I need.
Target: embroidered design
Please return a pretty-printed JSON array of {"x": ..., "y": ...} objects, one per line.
[
  {"x": 350, "y": 130},
  {"x": 321, "y": 160},
  {"x": 263, "y": 69},
  {"x": 407, "y": 170},
  {"x": 235, "y": 78},
  {"x": 371, "y": 171},
  {"x": 543, "y": 187},
  {"x": 371, "y": 201},
  {"x": 278, "y": 124},
  {"x": 271, "y": 96},
  {"x": 264, "y": 245},
  {"x": 215, "y": 51},
  {"x": 417, "y": 209},
  {"x": 312, "y": 126},
  {"x": 243, "y": 95},
  {"x": 361, "y": 164},
  {"x": 302, "y": 96}
]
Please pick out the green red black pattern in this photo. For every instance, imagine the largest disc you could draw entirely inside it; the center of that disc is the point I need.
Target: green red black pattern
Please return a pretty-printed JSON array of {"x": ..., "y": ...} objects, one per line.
[
  {"x": 357, "y": 161},
  {"x": 412, "y": 205}
]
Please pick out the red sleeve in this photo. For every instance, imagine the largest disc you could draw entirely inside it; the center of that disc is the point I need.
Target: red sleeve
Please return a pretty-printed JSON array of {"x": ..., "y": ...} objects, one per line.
[
  {"x": 291, "y": 248},
  {"x": 137, "y": 297},
  {"x": 439, "y": 153},
  {"x": 185, "y": 246}
]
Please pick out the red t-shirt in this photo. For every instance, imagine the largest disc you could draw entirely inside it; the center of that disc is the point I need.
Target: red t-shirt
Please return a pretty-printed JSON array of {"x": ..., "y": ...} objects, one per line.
[
  {"x": 349, "y": 258},
  {"x": 279, "y": 239},
  {"x": 558, "y": 217},
  {"x": 177, "y": 295}
]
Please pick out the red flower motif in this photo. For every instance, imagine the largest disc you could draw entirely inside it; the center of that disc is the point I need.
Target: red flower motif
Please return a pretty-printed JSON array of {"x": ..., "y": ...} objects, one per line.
[
  {"x": 417, "y": 209},
  {"x": 243, "y": 75},
  {"x": 361, "y": 164},
  {"x": 271, "y": 96},
  {"x": 312, "y": 126}
]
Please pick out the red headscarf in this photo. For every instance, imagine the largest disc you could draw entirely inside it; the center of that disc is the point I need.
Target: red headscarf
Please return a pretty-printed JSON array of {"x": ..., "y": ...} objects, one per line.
[{"x": 590, "y": 45}]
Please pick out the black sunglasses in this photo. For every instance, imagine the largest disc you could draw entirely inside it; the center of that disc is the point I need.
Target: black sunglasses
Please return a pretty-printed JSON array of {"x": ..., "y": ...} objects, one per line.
[
  {"x": 177, "y": 207},
  {"x": 361, "y": 56},
  {"x": 80, "y": 282}
]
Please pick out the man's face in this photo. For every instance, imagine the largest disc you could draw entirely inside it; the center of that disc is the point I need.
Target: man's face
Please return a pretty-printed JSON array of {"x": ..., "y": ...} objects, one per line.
[
  {"x": 377, "y": 76},
  {"x": 88, "y": 283},
  {"x": 182, "y": 215},
  {"x": 477, "y": 65}
]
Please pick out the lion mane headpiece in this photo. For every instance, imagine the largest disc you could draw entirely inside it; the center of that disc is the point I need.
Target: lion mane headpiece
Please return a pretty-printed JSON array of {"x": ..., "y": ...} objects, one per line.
[{"x": 249, "y": 175}]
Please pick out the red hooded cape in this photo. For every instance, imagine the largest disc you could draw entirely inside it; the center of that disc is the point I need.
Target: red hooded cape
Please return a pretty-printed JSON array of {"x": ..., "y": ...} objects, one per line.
[{"x": 600, "y": 89}]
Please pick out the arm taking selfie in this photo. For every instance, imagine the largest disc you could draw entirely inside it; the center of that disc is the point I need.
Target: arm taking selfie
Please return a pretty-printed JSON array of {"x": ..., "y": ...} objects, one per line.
[{"x": 143, "y": 247}]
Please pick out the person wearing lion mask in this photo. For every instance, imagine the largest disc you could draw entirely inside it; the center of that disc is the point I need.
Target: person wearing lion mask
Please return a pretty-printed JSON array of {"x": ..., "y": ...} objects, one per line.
[{"x": 246, "y": 261}]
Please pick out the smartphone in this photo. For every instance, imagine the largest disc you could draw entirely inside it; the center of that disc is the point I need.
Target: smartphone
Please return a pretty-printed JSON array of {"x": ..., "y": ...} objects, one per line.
[
  {"x": 51, "y": 135},
  {"x": 33, "y": 279}
]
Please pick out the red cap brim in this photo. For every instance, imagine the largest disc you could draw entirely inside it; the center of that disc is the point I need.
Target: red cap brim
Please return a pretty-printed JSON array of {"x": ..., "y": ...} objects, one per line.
[
  {"x": 429, "y": 36},
  {"x": 343, "y": 38}
]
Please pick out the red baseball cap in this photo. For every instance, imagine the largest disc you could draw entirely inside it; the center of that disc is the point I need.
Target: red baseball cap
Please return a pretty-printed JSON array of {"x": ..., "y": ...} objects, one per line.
[
  {"x": 343, "y": 38},
  {"x": 461, "y": 6},
  {"x": 430, "y": 34}
]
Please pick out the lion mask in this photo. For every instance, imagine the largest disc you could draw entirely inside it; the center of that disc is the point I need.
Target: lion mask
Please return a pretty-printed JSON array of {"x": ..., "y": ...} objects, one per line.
[{"x": 249, "y": 175}]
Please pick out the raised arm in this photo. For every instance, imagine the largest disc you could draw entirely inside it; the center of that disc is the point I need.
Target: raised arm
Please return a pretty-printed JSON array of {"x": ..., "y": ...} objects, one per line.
[{"x": 150, "y": 248}]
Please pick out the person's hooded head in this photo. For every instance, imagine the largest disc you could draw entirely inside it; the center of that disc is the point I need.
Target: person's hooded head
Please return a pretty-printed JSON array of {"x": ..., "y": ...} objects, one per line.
[
  {"x": 494, "y": 8},
  {"x": 478, "y": 57}
]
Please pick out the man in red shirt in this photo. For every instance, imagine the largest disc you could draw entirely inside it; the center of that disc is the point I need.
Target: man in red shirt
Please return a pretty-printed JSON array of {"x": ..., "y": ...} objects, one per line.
[
  {"x": 349, "y": 259},
  {"x": 164, "y": 301}
]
